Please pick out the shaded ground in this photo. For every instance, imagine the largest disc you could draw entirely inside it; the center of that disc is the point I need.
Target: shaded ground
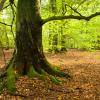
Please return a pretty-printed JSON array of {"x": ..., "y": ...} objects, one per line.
[{"x": 85, "y": 85}]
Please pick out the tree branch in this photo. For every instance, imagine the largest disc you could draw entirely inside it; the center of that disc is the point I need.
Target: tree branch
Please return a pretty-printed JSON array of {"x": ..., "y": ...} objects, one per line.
[
  {"x": 75, "y": 10},
  {"x": 70, "y": 17},
  {"x": 5, "y": 7},
  {"x": 5, "y": 24}
]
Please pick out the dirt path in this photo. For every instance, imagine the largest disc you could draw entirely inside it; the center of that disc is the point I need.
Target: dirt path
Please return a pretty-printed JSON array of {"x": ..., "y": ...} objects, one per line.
[{"x": 85, "y": 85}]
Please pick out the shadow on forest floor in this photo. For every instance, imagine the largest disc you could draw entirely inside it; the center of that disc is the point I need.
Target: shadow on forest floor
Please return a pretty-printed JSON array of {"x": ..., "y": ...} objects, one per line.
[{"x": 85, "y": 85}]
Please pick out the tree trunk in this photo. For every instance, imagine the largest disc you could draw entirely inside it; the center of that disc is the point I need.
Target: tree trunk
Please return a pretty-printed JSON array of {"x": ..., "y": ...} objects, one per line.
[
  {"x": 29, "y": 57},
  {"x": 29, "y": 39},
  {"x": 28, "y": 36}
]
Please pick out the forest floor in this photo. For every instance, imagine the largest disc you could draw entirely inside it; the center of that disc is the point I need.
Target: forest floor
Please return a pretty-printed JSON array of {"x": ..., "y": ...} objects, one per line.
[{"x": 84, "y": 66}]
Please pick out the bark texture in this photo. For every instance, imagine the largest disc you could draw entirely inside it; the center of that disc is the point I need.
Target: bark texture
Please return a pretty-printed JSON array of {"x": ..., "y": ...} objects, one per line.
[
  {"x": 29, "y": 40},
  {"x": 28, "y": 36}
]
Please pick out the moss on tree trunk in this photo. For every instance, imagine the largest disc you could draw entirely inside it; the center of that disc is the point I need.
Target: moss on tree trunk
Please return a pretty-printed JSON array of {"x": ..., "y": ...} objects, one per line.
[{"x": 29, "y": 40}]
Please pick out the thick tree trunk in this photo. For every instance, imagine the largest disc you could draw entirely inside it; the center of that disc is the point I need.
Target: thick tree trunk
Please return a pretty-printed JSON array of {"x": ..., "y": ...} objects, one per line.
[
  {"x": 29, "y": 57},
  {"x": 29, "y": 40},
  {"x": 28, "y": 36}
]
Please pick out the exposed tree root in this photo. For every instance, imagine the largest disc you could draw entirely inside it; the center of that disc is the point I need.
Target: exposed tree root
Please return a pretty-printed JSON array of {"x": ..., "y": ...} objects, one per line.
[
  {"x": 4, "y": 72},
  {"x": 45, "y": 71},
  {"x": 54, "y": 70},
  {"x": 43, "y": 75}
]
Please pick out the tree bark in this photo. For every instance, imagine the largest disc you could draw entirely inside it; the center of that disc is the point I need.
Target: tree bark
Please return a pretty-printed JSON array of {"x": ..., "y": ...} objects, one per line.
[
  {"x": 29, "y": 39},
  {"x": 28, "y": 36}
]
